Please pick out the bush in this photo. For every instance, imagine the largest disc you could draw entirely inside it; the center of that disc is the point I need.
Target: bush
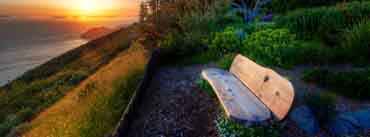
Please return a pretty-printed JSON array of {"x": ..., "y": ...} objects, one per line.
[
  {"x": 357, "y": 40},
  {"x": 351, "y": 84},
  {"x": 282, "y": 6},
  {"x": 229, "y": 128},
  {"x": 229, "y": 40},
  {"x": 314, "y": 23},
  {"x": 226, "y": 61},
  {"x": 194, "y": 31},
  {"x": 356, "y": 12},
  {"x": 184, "y": 44},
  {"x": 271, "y": 47},
  {"x": 325, "y": 23}
]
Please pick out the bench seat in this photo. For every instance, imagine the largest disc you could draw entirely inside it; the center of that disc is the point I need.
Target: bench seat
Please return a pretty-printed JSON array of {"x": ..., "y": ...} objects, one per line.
[
  {"x": 251, "y": 93},
  {"x": 240, "y": 104}
]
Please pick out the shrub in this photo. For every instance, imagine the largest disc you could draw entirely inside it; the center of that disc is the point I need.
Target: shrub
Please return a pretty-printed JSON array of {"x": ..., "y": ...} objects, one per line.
[
  {"x": 356, "y": 11},
  {"x": 228, "y": 40},
  {"x": 319, "y": 23},
  {"x": 229, "y": 128},
  {"x": 271, "y": 47},
  {"x": 183, "y": 44},
  {"x": 226, "y": 61},
  {"x": 357, "y": 40},
  {"x": 282, "y": 6},
  {"x": 350, "y": 84},
  {"x": 325, "y": 23}
]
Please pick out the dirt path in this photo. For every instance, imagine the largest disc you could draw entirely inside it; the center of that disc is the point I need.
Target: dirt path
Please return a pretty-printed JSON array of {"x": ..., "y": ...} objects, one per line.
[{"x": 176, "y": 107}]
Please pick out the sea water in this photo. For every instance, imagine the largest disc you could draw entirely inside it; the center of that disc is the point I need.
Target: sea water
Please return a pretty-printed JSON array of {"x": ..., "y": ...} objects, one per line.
[{"x": 27, "y": 43}]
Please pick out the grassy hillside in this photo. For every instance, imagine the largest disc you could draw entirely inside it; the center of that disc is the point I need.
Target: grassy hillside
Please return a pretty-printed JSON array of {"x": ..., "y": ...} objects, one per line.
[
  {"x": 24, "y": 98},
  {"x": 93, "y": 107}
]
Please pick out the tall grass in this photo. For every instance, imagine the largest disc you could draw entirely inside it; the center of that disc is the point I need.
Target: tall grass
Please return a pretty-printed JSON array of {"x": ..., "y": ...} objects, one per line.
[
  {"x": 106, "y": 111},
  {"x": 41, "y": 87},
  {"x": 325, "y": 23},
  {"x": 357, "y": 40},
  {"x": 21, "y": 101}
]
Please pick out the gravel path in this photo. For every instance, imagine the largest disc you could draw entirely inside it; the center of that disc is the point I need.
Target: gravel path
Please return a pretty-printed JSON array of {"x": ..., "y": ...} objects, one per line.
[{"x": 176, "y": 107}]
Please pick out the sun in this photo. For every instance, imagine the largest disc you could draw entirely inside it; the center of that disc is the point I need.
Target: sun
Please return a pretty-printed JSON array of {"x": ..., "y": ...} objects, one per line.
[{"x": 88, "y": 7}]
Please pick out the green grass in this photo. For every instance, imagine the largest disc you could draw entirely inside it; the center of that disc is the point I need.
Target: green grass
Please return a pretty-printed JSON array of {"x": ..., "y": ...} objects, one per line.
[
  {"x": 107, "y": 110},
  {"x": 205, "y": 86},
  {"x": 355, "y": 85},
  {"x": 21, "y": 100},
  {"x": 41, "y": 87}
]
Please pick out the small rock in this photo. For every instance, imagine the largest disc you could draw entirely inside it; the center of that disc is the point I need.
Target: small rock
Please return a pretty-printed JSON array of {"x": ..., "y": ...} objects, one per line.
[
  {"x": 341, "y": 125},
  {"x": 363, "y": 118},
  {"x": 305, "y": 120},
  {"x": 350, "y": 122}
]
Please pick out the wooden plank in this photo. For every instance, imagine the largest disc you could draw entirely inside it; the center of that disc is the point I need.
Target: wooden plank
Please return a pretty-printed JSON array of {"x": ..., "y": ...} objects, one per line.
[
  {"x": 238, "y": 102},
  {"x": 274, "y": 91},
  {"x": 250, "y": 73}
]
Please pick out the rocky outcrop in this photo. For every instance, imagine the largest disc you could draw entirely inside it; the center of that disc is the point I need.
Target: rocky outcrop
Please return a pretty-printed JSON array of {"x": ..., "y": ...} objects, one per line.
[{"x": 95, "y": 33}]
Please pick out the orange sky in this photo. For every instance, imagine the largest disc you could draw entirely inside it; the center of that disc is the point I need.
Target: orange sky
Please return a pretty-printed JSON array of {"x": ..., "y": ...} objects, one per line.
[{"x": 69, "y": 7}]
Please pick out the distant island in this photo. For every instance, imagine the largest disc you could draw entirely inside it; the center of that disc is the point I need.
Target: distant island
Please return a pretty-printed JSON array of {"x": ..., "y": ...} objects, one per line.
[{"x": 95, "y": 33}]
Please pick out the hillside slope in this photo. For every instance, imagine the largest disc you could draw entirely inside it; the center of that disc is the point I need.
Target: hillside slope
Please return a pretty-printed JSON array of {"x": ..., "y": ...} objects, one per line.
[
  {"x": 94, "y": 107},
  {"x": 37, "y": 89}
]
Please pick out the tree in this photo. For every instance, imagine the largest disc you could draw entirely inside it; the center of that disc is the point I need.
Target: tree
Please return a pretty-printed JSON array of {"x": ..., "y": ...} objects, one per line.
[{"x": 143, "y": 11}]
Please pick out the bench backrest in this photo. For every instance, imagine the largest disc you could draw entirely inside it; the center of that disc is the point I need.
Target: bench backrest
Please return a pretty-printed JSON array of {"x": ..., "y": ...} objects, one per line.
[{"x": 274, "y": 91}]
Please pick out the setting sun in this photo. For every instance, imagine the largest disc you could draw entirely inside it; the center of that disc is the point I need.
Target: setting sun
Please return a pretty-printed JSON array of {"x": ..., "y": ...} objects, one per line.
[{"x": 88, "y": 7}]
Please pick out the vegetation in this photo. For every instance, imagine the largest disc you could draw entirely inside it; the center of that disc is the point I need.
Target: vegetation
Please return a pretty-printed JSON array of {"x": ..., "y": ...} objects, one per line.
[
  {"x": 228, "y": 128},
  {"x": 94, "y": 106},
  {"x": 283, "y": 6},
  {"x": 357, "y": 41},
  {"x": 205, "y": 86},
  {"x": 350, "y": 84},
  {"x": 230, "y": 40},
  {"x": 325, "y": 23},
  {"x": 21, "y": 101},
  {"x": 105, "y": 112}
]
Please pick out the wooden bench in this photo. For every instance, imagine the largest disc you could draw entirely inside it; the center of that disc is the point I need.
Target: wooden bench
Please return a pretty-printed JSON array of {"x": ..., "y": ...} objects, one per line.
[{"x": 250, "y": 93}]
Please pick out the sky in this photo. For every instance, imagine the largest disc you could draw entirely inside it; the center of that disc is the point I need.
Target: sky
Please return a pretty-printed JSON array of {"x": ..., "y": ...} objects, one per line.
[{"x": 28, "y": 8}]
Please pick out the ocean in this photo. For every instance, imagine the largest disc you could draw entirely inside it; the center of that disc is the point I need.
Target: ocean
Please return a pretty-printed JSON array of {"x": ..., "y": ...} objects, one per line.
[{"x": 27, "y": 43}]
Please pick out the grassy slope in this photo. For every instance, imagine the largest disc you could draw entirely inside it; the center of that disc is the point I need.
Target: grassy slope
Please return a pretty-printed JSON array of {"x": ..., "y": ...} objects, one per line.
[
  {"x": 41, "y": 87},
  {"x": 76, "y": 114}
]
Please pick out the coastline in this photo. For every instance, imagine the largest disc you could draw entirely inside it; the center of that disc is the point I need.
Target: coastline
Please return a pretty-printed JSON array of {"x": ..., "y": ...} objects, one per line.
[{"x": 12, "y": 65}]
